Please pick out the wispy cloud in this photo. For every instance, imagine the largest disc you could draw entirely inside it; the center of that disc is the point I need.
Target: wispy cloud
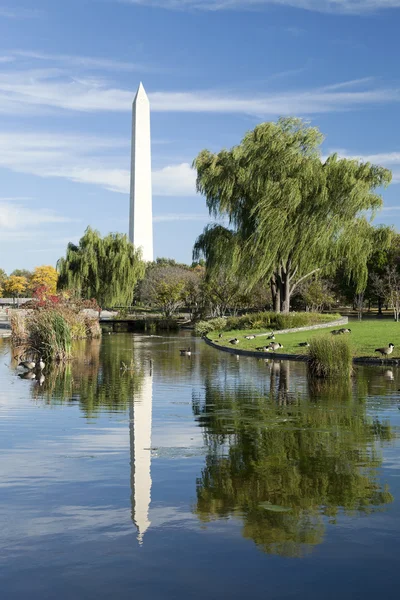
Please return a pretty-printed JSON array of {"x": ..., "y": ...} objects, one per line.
[
  {"x": 41, "y": 90},
  {"x": 19, "y": 13},
  {"x": 85, "y": 62},
  {"x": 15, "y": 216},
  {"x": 295, "y": 31},
  {"x": 90, "y": 160},
  {"x": 329, "y": 6}
]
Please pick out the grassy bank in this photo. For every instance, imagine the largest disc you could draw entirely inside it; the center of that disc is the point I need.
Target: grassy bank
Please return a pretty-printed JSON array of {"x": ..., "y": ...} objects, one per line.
[{"x": 365, "y": 337}]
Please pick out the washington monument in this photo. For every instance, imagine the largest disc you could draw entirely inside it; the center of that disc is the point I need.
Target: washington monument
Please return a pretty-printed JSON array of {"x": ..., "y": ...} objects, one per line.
[{"x": 141, "y": 210}]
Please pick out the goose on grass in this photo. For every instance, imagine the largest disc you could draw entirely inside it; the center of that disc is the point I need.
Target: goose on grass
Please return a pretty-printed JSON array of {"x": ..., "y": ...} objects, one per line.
[{"x": 386, "y": 350}]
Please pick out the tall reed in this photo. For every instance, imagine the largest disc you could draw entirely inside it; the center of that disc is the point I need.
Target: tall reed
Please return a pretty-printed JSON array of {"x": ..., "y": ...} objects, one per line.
[
  {"x": 19, "y": 329},
  {"x": 50, "y": 335},
  {"x": 330, "y": 356}
]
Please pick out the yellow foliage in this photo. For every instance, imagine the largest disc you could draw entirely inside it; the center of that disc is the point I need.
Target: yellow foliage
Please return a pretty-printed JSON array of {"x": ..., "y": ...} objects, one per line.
[
  {"x": 15, "y": 285},
  {"x": 45, "y": 275}
]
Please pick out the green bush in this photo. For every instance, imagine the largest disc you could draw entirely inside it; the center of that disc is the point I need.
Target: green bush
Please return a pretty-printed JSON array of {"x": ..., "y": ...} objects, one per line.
[
  {"x": 204, "y": 327},
  {"x": 277, "y": 321},
  {"x": 330, "y": 356}
]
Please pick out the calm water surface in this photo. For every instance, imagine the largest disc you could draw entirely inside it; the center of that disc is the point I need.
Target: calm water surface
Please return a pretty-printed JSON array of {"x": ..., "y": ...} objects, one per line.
[{"x": 202, "y": 477}]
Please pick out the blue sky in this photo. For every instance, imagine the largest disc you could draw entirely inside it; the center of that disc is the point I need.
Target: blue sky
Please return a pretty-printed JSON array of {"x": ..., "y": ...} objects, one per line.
[{"x": 213, "y": 69}]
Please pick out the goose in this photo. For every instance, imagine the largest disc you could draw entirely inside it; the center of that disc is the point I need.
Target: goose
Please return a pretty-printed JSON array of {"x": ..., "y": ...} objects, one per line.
[
  {"x": 41, "y": 364},
  {"x": 27, "y": 364},
  {"x": 185, "y": 352},
  {"x": 250, "y": 337},
  {"x": 385, "y": 351},
  {"x": 220, "y": 335},
  {"x": 336, "y": 332},
  {"x": 41, "y": 379},
  {"x": 271, "y": 336},
  {"x": 304, "y": 344},
  {"x": 234, "y": 342},
  {"x": 344, "y": 330},
  {"x": 264, "y": 349},
  {"x": 275, "y": 346}
]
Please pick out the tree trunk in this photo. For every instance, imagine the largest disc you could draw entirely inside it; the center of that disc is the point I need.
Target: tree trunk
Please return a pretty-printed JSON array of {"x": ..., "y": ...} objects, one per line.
[
  {"x": 286, "y": 295},
  {"x": 285, "y": 280},
  {"x": 380, "y": 303},
  {"x": 276, "y": 292}
]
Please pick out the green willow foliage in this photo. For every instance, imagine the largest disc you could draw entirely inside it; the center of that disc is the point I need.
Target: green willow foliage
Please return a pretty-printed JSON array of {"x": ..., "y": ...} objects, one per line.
[
  {"x": 106, "y": 269},
  {"x": 290, "y": 212}
]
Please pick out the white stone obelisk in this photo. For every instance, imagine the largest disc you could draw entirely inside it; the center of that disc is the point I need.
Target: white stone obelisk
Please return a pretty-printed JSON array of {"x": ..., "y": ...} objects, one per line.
[
  {"x": 141, "y": 210},
  {"x": 140, "y": 418}
]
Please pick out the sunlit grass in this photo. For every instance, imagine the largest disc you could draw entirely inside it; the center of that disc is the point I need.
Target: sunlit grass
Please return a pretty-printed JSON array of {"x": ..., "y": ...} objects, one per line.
[{"x": 365, "y": 336}]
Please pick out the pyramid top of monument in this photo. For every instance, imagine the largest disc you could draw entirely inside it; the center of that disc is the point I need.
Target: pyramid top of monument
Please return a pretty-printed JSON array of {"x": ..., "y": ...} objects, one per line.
[{"x": 140, "y": 92}]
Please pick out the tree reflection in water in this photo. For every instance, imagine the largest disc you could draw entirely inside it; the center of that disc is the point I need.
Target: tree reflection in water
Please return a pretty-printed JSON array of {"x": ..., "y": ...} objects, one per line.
[
  {"x": 314, "y": 454},
  {"x": 94, "y": 378}
]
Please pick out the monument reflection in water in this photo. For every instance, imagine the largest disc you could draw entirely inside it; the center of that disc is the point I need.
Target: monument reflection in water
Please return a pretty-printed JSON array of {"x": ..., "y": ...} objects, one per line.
[{"x": 140, "y": 419}]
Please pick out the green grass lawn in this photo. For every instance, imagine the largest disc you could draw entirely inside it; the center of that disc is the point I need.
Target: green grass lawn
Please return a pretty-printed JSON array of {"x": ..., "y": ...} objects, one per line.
[{"x": 365, "y": 336}]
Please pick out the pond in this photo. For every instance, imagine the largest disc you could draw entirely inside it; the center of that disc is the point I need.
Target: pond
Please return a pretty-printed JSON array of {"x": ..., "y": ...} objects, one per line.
[{"x": 209, "y": 476}]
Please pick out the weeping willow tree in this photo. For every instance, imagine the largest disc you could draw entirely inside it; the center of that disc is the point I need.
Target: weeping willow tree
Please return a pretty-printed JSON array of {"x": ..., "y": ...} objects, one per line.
[
  {"x": 290, "y": 213},
  {"x": 106, "y": 269}
]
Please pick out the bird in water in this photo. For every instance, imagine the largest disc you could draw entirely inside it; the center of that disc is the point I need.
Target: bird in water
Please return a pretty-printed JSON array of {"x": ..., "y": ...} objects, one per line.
[
  {"x": 27, "y": 364},
  {"x": 250, "y": 337},
  {"x": 185, "y": 352},
  {"x": 385, "y": 351},
  {"x": 234, "y": 342},
  {"x": 304, "y": 344}
]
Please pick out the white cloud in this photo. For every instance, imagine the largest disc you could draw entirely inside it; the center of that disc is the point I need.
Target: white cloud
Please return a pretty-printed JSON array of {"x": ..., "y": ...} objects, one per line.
[
  {"x": 335, "y": 6},
  {"x": 18, "y": 216},
  {"x": 174, "y": 180},
  {"x": 89, "y": 160},
  {"x": 286, "y": 103},
  {"x": 44, "y": 90}
]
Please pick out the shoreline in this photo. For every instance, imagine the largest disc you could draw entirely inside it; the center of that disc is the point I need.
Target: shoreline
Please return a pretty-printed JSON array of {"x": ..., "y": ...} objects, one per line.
[{"x": 362, "y": 360}]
